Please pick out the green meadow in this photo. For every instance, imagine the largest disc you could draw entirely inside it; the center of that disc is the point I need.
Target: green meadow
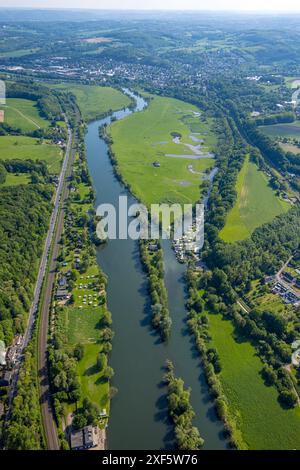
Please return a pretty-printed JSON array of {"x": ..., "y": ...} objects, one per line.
[
  {"x": 14, "y": 179},
  {"x": 94, "y": 101},
  {"x": 24, "y": 148},
  {"x": 256, "y": 204},
  {"x": 289, "y": 130},
  {"x": 23, "y": 114},
  {"x": 81, "y": 326},
  {"x": 146, "y": 137},
  {"x": 262, "y": 421}
]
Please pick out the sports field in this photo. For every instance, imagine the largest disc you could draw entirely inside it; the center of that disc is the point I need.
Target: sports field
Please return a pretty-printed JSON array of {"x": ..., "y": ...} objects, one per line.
[
  {"x": 95, "y": 101},
  {"x": 256, "y": 204},
  {"x": 264, "y": 424},
  {"x": 24, "y": 148},
  {"x": 163, "y": 151},
  {"x": 23, "y": 114}
]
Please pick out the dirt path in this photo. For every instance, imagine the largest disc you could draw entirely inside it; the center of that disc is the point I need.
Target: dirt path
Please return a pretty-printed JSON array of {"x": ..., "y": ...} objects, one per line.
[{"x": 24, "y": 116}]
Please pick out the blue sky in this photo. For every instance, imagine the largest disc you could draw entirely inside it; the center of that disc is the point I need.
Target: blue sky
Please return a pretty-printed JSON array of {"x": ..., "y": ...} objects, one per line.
[{"x": 246, "y": 5}]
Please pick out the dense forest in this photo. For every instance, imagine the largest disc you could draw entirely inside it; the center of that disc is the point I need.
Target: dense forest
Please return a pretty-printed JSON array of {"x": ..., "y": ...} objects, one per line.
[{"x": 24, "y": 214}]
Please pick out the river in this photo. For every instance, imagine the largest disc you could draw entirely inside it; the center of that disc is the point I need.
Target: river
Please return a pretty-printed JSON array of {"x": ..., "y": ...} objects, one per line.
[{"x": 139, "y": 417}]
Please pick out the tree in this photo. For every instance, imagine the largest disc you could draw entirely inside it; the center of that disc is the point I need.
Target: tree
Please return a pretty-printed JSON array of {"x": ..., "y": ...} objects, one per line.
[
  {"x": 288, "y": 398},
  {"x": 108, "y": 373},
  {"x": 79, "y": 421},
  {"x": 79, "y": 351},
  {"x": 101, "y": 361},
  {"x": 269, "y": 375}
]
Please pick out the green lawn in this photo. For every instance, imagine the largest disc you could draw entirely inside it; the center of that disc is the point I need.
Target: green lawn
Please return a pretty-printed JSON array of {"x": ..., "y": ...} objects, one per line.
[
  {"x": 256, "y": 204},
  {"x": 23, "y": 114},
  {"x": 81, "y": 326},
  {"x": 94, "y": 101},
  {"x": 264, "y": 424},
  {"x": 91, "y": 384},
  {"x": 145, "y": 137},
  {"x": 13, "y": 179},
  {"x": 290, "y": 130},
  {"x": 21, "y": 147}
]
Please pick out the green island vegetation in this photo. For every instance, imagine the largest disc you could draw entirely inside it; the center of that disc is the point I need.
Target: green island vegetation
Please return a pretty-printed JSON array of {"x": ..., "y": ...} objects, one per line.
[
  {"x": 96, "y": 101},
  {"x": 152, "y": 260},
  {"x": 256, "y": 204},
  {"x": 181, "y": 412},
  {"x": 141, "y": 142},
  {"x": 82, "y": 335}
]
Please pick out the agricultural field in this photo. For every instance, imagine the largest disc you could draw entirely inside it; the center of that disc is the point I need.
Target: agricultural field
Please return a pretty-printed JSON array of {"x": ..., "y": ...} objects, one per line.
[
  {"x": 23, "y": 114},
  {"x": 289, "y": 130},
  {"x": 264, "y": 424},
  {"x": 24, "y": 148},
  {"x": 164, "y": 152},
  {"x": 256, "y": 204},
  {"x": 94, "y": 101},
  {"x": 289, "y": 147},
  {"x": 292, "y": 82}
]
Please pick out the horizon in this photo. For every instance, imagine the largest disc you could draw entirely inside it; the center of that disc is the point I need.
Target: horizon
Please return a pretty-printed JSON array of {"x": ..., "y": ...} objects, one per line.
[{"x": 216, "y": 6}]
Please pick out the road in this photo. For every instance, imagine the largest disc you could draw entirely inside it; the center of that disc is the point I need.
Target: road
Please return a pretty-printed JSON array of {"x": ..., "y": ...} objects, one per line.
[
  {"x": 57, "y": 221},
  {"x": 54, "y": 231},
  {"x": 286, "y": 284}
]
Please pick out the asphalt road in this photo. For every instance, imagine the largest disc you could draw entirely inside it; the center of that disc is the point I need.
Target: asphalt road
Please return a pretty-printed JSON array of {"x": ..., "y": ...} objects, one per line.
[{"x": 54, "y": 232}]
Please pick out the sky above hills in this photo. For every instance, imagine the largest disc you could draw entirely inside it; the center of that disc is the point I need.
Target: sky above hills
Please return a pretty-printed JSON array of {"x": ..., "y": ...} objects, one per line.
[{"x": 246, "y": 5}]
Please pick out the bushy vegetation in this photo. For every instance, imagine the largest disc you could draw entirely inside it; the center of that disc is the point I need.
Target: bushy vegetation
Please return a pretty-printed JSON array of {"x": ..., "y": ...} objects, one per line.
[
  {"x": 181, "y": 412},
  {"x": 153, "y": 264},
  {"x": 25, "y": 431}
]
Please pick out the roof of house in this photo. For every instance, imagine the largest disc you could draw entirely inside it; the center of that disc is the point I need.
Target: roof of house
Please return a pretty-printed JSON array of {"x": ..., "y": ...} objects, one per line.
[
  {"x": 77, "y": 439},
  {"x": 85, "y": 437}
]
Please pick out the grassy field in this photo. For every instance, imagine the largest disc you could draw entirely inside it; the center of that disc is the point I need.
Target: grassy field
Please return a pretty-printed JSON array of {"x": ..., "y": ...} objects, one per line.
[
  {"x": 13, "y": 179},
  {"x": 256, "y": 204},
  {"x": 21, "y": 147},
  {"x": 264, "y": 424},
  {"x": 290, "y": 130},
  {"x": 146, "y": 137},
  {"x": 94, "y": 101},
  {"x": 81, "y": 326},
  {"x": 289, "y": 148},
  {"x": 18, "y": 53},
  {"x": 23, "y": 114}
]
